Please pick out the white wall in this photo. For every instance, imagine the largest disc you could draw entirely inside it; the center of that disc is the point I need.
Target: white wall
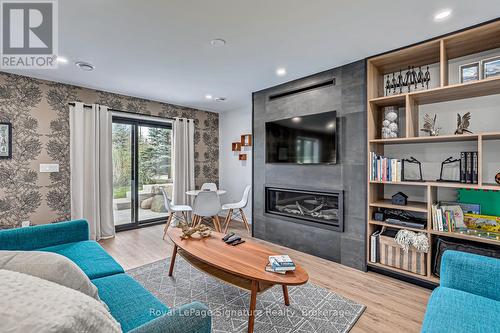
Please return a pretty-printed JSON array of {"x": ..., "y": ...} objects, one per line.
[{"x": 234, "y": 174}]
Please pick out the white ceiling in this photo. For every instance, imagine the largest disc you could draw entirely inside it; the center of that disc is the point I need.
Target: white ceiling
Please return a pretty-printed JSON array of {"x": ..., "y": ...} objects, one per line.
[{"x": 161, "y": 50}]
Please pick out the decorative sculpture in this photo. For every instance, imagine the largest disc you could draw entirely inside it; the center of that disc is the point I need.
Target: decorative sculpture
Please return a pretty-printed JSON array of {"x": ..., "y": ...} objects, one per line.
[
  {"x": 390, "y": 123},
  {"x": 188, "y": 231},
  {"x": 409, "y": 79},
  {"x": 448, "y": 161},
  {"x": 427, "y": 77},
  {"x": 404, "y": 169},
  {"x": 463, "y": 123},
  {"x": 400, "y": 82},
  {"x": 430, "y": 125},
  {"x": 420, "y": 77}
]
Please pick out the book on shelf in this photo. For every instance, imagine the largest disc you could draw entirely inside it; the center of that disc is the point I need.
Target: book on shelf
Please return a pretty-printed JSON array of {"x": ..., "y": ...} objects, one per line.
[
  {"x": 447, "y": 217},
  {"x": 467, "y": 208},
  {"x": 384, "y": 169},
  {"x": 484, "y": 223}
]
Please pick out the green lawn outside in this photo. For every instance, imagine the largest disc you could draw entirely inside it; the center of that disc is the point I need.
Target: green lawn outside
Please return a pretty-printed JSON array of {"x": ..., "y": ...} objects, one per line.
[{"x": 120, "y": 192}]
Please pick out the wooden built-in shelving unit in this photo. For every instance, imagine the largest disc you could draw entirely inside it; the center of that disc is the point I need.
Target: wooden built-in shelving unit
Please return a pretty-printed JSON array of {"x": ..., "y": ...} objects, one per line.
[{"x": 441, "y": 51}]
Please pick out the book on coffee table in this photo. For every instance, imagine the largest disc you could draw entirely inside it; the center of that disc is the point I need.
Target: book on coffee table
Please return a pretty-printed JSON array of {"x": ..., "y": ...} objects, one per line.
[
  {"x": 269, "y": 268},
  {"x": 281, "y": 263}
]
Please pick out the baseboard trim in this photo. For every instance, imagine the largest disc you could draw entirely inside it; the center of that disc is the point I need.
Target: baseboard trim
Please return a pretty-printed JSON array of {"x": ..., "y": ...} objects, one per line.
[{"x": 404, "y": 278}]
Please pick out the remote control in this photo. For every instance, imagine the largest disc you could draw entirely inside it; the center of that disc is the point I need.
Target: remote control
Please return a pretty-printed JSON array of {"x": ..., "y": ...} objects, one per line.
[
  {"x": 241, "y": 241},
  {"x": 229, "y": 235},
  {"x": 233, "y": 239}
]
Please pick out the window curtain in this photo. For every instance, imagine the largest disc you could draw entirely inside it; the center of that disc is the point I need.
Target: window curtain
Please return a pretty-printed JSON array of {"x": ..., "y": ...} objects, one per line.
[
  {"x": 91, "y": 168},
  {"x": 183, "y": 159}
]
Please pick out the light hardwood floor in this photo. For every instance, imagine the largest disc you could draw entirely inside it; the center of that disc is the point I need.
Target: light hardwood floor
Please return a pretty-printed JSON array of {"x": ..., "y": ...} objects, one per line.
[{"x": 392, "y": 305}]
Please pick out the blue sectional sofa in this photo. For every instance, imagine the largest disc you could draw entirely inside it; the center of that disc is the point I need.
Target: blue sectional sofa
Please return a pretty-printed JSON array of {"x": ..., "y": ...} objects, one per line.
[
  {"x": 468, "y": 298},
  {"x": 135, "y": 308}
]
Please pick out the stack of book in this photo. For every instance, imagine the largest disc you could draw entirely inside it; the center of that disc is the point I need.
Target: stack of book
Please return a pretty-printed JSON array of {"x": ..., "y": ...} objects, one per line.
[
  {"x": 468, "y": 167},
  {"x": 449, "y": 217},
  {"x": 384, "y": 169},
  {"x": 280, "y": 264}
]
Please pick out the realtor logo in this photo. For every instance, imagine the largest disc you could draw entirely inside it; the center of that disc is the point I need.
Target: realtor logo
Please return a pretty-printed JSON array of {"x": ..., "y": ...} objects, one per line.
[{"x": 29, "y": 34}]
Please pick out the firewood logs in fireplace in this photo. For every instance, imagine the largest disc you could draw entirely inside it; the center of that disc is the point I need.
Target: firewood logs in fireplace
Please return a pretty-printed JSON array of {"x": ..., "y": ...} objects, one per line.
[{"x": 316, "y": 212}]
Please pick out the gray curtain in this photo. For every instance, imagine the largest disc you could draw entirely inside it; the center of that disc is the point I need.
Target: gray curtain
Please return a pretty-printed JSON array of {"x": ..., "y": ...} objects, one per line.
[
  {"x": 91, "y": 168},
  {"x": 183, "y": 159}
]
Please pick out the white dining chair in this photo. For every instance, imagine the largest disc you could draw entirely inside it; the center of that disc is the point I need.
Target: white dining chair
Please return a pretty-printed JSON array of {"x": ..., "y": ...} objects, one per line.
[
  {"x": 173, "y": 211},
  {"x": 238, "y": 206},
  {"x": 207, "y": 206},
  {"x": 209, "y": 187}
]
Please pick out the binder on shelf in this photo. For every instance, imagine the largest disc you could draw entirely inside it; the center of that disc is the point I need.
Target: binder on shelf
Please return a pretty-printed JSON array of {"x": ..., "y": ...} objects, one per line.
[
  {"x": 463, "y": 163},
  {"x": 474, "y": 167},
  {"x": 374, "y": 247},
  {"x": 468, "y": 171}
]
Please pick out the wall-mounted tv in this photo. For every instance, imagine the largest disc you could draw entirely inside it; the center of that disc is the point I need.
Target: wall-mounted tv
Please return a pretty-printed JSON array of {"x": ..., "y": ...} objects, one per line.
[{"x": 309, "y": 139}]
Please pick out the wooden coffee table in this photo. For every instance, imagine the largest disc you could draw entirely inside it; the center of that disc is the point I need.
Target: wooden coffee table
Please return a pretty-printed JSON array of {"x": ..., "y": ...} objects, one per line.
[{"x": 242, "y": 266}]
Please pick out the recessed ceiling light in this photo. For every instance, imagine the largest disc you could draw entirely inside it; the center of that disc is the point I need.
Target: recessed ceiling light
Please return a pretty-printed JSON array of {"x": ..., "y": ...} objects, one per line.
[
  {"x": 330, "y": 125},
  {"x": 281, "y": 72},
  {"x": 220, "y": 99},
  {"x": 218, "y": 42},
  {"x": 62, "y": 60},
  {"x": 296, "y": 119},
  {"x": 84, "y": 65},
  {"x": 208, "y": 96},
  {"x": 442, "y": 15}
]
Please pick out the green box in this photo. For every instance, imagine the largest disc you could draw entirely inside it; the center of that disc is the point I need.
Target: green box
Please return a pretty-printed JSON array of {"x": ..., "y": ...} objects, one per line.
[{"x": 488, "y": 199}]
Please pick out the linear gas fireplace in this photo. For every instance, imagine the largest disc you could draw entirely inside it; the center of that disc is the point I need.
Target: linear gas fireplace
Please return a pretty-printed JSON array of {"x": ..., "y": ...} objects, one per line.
[{"x": 323, "y": 209}]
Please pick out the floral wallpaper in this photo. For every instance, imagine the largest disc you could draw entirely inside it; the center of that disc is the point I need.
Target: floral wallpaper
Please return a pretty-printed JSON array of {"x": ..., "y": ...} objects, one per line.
[{"x": 38, "y": 111}]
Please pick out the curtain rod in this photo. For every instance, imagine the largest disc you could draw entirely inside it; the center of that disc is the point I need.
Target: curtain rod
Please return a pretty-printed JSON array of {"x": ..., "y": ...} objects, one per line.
[{"x": 130, "y": 112}]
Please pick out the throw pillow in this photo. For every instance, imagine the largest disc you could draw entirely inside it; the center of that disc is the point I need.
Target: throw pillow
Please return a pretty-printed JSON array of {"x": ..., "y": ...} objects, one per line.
[
  {"x": 31, "y": 304},
  {"x": 49, "y": 266}
]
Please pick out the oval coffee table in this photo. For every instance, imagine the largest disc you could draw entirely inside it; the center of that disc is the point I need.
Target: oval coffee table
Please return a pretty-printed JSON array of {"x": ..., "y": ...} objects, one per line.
[{"x": 242, "y": 266}]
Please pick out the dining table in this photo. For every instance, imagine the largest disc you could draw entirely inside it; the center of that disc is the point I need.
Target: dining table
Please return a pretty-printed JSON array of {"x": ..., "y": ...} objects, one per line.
[{"x": 196, "y": 192}]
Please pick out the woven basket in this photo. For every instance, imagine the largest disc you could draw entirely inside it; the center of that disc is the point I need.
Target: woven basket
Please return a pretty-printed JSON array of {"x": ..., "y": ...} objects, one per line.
[{"x": 391, "y": 254}]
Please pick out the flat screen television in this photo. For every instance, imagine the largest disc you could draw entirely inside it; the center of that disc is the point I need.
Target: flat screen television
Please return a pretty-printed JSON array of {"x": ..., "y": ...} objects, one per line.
[{"x": 309, "y": 139}]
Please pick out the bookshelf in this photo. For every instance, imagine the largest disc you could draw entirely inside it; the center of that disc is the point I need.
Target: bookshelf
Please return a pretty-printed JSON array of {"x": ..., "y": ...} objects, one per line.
[{"x": 439, "y": 52}]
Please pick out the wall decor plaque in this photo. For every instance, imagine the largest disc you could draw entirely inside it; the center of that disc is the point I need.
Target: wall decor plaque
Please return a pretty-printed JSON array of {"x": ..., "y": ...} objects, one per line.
[{"x": 5, "y": 140}]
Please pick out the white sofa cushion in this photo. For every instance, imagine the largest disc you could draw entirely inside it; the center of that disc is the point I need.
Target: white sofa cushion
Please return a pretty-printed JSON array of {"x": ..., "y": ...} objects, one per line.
[
  {"x": 49, "y": 266},
  {"x": 30, "y": 304}
]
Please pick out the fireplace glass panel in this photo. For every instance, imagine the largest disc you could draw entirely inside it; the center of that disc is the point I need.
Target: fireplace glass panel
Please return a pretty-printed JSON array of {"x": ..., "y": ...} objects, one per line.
[{"x": 320, "y": 207}]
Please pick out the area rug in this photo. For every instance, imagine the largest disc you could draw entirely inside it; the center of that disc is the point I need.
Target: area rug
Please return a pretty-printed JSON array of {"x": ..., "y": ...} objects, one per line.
[{"x": 312, "y": 308}]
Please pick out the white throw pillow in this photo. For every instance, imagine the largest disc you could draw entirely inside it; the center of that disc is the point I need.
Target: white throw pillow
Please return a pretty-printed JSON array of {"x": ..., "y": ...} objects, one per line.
[
  {"x": 30, "y": 304},
  {"x": 49, "y": 266}
]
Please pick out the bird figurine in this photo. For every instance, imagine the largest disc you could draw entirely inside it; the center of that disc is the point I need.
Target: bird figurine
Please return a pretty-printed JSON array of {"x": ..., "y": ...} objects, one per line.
[
  {"x": 430, "y": 125},
  {"x": 463, "y": 123}
]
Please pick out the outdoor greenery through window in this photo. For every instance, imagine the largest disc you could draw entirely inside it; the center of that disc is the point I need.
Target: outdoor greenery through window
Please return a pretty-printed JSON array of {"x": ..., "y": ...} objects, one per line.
[{"x": 142, "y": 165}]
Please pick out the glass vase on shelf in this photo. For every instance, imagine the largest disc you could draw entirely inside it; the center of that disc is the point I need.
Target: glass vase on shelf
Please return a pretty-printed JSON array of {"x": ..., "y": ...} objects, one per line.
[{"x": 390, "y": 123}]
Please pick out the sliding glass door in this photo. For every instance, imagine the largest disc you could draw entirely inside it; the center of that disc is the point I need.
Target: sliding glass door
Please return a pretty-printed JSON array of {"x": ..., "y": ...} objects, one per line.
[{"x": 142, "y": 166}]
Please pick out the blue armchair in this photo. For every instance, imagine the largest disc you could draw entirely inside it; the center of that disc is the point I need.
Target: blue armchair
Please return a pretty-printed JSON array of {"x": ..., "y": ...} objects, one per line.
[
  {"x": 135, "y": 308},
  {"x": 468, "y": 298}
]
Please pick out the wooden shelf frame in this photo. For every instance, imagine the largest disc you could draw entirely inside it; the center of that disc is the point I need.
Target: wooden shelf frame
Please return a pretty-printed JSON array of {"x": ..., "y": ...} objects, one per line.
[
  {"x": 484, "y": 87},
  {"x": 438, "y": 51},
  {"x": 488, "y": 186},
  {"x": 412, "y": 206}
]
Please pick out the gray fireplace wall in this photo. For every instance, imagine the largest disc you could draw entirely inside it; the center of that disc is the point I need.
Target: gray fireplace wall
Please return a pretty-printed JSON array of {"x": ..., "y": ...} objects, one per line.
[{"x": 348, "y": 98}]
